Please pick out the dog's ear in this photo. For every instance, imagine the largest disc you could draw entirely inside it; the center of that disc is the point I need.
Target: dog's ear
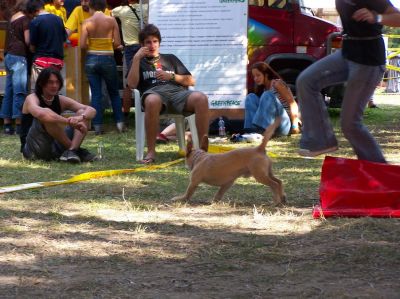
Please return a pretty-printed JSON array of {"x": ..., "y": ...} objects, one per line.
[
  {"x": 204, "y": 143},
  {"x": 189, "y": 147}
]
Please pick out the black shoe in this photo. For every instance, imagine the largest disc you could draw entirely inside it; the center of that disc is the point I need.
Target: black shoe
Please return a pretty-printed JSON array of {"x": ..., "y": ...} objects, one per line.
[
  {"x": 70, "y": 156},
  {"x": 9, "y": 130},
  {"x": 18, "y": 129},
  {"x": 85, "y": 155}
]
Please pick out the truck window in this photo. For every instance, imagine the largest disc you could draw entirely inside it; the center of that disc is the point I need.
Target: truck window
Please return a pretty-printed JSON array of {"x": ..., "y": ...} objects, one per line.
[{"x": 269, "y": 3}]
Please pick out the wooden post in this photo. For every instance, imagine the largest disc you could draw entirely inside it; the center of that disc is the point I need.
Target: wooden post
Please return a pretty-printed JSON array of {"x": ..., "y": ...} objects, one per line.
[{"x": 77, "y": 86}]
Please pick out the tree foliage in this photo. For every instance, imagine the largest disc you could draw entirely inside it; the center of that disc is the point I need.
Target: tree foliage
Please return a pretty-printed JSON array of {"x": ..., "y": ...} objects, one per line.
[{"x": 393, "y": 42}]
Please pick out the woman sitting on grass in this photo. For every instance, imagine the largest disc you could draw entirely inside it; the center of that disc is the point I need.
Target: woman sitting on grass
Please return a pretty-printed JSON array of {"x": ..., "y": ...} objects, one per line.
[{"x": 273, "y": 98}]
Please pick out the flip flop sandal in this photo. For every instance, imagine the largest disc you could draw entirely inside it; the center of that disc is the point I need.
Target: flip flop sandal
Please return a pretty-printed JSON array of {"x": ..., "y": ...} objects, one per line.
[
  {"x": 147, "y": 161},
  {"x": 162, "y": 139}
]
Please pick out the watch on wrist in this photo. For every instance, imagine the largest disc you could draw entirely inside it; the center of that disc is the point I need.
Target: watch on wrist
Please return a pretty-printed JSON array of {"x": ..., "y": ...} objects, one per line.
[
  {"x": 378, "y": 19},
  {"x": 173, "y": 77}
]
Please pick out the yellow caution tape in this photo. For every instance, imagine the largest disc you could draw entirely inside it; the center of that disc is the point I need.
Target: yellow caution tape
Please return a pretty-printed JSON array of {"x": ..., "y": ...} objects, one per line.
[
  {"x": 86, "y": 176},
  {"x": 392, "y": 67},
  {"x": 392, "y": 35},
  {"x": 218, "y": 149},
  {"x": 107, "y": 173},
  {"x": 394, "y": 54},
  {"x": 3, "y": 73}
]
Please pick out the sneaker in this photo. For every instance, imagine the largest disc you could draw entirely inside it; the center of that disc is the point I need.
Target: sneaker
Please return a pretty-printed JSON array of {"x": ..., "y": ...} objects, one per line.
[
  {"x": 85, "y": 155},
  {"x": 8, "y": 130},
  {"x": 121, "y": 127},
  {"x": 311, "y": 154},
  {"x": 70, "y": 156},
  {"x": 98, "y": 129}
]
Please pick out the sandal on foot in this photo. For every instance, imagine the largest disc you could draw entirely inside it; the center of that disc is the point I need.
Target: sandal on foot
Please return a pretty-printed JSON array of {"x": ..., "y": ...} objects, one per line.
[
  {"x": 147, "y": 161},
  {"x": 162, "y": 139}
]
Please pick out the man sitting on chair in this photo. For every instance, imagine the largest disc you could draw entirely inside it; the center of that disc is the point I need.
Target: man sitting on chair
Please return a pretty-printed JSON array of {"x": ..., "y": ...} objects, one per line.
[{"x": 162, "y": 79}]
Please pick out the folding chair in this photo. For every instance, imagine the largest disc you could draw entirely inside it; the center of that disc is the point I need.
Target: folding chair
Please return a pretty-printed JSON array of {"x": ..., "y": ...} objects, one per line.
[{"x": 179, "y": 123}]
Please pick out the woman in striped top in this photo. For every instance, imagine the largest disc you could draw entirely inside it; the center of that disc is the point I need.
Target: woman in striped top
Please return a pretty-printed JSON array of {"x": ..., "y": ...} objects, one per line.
[{"x": 272, "y": 98}]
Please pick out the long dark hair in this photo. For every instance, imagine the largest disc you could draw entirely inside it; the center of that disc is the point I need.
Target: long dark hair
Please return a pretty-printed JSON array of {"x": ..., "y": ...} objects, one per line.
[
  {"x": 266, "y": 70},
  {"x": 44, "y": 77},
  {"x": 98, "y": 5},
  {"x": 33, "y": 6},
  {"x": 20, "y": 6}
]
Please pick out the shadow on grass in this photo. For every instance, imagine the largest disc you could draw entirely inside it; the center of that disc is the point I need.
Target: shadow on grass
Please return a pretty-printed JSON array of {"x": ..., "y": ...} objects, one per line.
[{"x": 174, "y": 260}]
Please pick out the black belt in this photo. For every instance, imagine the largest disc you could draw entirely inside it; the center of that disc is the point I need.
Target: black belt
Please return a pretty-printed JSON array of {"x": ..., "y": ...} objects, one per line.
[{"x": 348, "y": 37}]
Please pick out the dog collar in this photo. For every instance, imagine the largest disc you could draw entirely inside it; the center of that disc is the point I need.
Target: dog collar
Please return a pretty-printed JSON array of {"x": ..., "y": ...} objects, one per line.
[{"x": 196, "y": 157}]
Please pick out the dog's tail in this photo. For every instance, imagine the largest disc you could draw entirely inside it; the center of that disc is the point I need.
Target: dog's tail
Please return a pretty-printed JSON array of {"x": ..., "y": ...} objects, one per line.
[{"x": 269, "y": 132}]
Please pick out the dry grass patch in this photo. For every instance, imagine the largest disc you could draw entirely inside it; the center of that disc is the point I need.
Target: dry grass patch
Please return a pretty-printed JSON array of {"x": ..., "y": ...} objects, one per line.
[{"x": 120, "y": 237}]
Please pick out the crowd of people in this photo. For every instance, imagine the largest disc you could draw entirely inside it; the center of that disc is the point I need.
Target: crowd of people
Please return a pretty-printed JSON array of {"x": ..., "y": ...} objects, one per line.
[{"x": 39, "y": 31}]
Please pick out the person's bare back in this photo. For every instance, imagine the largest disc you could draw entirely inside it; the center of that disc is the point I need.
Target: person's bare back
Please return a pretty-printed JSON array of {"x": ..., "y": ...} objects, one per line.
[{"x": 100, "y": 26}]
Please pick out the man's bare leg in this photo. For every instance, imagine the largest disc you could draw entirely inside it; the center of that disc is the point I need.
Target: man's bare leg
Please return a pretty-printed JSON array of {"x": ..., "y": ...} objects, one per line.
[
  {"x": 152, "y": 107},
  {"x": 59, "y": 134},
  {"x": 198, "y": 103}
]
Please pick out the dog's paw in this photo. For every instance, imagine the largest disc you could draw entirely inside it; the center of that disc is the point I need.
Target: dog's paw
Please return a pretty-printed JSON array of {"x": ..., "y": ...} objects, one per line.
[
  {"x": 281, "y": 203},
  {"x": 216, "y": 199},
  {"x": 178, "y": 199}
]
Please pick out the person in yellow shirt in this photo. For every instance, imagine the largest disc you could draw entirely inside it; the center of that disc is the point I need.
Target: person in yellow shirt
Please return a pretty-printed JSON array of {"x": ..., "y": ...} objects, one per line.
[
  {"x": 56, "y": 7},
  {"x": 78, "y": 15}
]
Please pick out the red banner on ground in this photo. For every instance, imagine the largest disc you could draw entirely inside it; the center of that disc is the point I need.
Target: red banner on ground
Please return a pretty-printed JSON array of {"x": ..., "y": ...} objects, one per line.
[{"x": 356, "y": 188}]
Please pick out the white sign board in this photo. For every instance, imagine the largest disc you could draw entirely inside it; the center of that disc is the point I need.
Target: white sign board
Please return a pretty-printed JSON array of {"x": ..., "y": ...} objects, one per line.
[{"x": 210, "y": 38}]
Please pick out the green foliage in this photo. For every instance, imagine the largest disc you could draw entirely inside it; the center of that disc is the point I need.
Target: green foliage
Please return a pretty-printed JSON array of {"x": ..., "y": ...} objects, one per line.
[{"x": 393, "y": 42}]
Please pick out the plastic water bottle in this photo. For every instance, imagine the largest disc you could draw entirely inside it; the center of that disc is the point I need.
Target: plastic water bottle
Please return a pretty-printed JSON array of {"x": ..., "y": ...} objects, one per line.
[
  {"x": 100, "y": 151},
  {"x": 221, "y": 127}
]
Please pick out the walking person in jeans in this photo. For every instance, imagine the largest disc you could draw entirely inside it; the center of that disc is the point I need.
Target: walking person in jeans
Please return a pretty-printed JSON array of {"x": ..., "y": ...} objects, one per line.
[
  {"x": 129, "y": 13},
  {"x": 360, "y": 63},
  {"x": 16, "y": 64},
  {"x": 100, "y": 36},
  {"x": 46, "y": 36},
  {"x": 271, "y": 99}
]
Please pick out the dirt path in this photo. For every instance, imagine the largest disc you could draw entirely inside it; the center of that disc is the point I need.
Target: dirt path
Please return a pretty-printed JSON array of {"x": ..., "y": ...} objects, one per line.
[{"x": 213, "y": 251}]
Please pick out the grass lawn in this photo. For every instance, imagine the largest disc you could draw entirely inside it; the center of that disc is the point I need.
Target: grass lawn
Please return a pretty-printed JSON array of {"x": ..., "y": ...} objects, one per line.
[{"x": 120, "y": 237}]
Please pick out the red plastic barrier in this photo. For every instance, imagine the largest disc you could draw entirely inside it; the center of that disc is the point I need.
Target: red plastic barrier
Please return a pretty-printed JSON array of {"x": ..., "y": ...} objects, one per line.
[{"x": 356, "y": 188}]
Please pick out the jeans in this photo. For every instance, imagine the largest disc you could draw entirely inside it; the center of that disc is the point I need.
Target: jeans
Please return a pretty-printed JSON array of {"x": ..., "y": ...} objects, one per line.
[
  {"x": 260, "y": 112},
  {"x": 100, "y": 67},
  {"x": 317, "y": 131},
  {"x": 16, "y": 86},
  {"x": 129, "y": 52}
]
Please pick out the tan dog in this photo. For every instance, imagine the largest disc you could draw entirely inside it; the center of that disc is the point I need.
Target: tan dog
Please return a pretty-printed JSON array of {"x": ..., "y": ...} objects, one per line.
[{"x": 223, "y": 169}]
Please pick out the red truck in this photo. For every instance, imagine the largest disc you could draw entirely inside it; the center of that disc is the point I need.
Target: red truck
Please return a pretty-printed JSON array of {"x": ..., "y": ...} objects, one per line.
[{"x": 288, "y": 36}]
